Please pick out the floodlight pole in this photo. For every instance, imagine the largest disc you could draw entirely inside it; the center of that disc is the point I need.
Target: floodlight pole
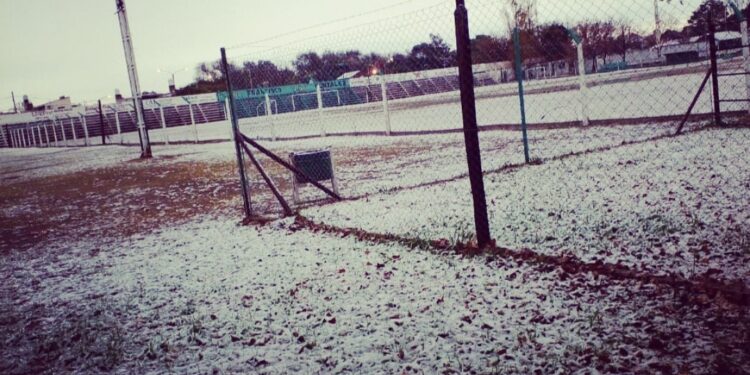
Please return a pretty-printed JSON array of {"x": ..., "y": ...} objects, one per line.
[
  {"x": 135, "y": 87},
  {"x": 471, "y": 130}
]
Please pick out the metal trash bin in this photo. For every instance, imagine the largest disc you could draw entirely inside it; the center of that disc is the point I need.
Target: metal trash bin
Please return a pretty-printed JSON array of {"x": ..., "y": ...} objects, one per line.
[{"x": 318, "y": 165}]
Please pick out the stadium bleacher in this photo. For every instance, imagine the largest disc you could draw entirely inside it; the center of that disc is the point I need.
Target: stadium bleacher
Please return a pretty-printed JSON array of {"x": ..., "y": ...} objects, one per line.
[{"x": 207, "y": 109}]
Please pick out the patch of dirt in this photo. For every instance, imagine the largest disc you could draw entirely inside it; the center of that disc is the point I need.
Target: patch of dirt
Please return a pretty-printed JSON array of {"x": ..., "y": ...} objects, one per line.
[{"x": 112, "y": 202}]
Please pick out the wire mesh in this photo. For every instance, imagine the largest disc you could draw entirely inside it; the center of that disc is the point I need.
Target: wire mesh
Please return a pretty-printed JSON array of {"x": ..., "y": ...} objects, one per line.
[{"x": 595, "y": 74}]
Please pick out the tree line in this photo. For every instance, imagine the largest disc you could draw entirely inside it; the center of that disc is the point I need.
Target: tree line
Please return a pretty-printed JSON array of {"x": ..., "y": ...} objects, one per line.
[{"x": 602, "y": 39}]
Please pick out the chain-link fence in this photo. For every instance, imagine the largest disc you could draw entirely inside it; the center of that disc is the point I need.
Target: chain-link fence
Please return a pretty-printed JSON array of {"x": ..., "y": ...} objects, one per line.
[
  {"x": 180, "y": 119},
  {"x": 551, "y": 78}
]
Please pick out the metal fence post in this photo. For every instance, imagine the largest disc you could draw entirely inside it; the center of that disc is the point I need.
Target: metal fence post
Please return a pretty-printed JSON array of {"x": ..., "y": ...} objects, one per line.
[
  {"x": 269, "y": 113},
  {"x": 163, "y": 122},
  {"x": 192, "y": 118},
  {"x": 73, "y": 128},
  {"x": 714, "y": 69},
  {"x": 117, "y": 125},
  {"x": 101, "y": 123},
  {"x": 583, "y": 86},
  {"x": 62, "y": 131},
  {"x": 54, "y": 131},
  {"x": 471, "y": 130},
  {"x": 237, "y": 138},
  {"x": 519, "y": 78},
  {"x": 746, "y": 57},
  {"x": 85, "y": 127},
  {"x": 46, "y": 134},
  {"x": 319, "y": 93},
  {"x": 228, "y": 119},
  {"x": 386, "y": 111}
]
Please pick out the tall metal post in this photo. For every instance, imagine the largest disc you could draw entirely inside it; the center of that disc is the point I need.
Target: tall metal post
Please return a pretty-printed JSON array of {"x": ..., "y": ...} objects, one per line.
[
  {"x": 519, "y": 78},
  {"x": 471, "y": 130},
  {"x": 714, "y": 69},
  {"x": 237, "y": 139},
  {"x": 135, "y": 87},
  {"x": 15, "y": 107}
]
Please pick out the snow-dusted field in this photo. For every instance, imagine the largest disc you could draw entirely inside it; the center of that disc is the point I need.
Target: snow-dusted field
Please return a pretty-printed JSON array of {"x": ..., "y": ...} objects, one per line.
[
  {"x": 94, "y": 289},
  {"x": 215, "y": 297},
  {"x": 673, "y": 205}
]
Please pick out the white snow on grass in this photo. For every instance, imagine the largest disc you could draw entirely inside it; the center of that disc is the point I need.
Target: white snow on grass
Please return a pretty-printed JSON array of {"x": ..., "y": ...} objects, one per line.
[
  {"x": 672, "y": 205},
  {"x": 212, "y": 296}
]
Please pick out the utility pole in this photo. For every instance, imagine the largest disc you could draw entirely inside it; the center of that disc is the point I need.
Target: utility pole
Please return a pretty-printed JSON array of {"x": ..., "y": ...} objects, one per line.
[
  {"x": 15, "y": 107},
  {"x": 135, "y": 87}
]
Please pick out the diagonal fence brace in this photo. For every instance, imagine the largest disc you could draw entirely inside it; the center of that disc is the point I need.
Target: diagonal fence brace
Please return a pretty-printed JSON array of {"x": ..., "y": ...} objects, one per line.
[
  {"x": 288, "y": 166},
  {"x": 694, "y": 102},
  {"x": 287, "y": 210}
]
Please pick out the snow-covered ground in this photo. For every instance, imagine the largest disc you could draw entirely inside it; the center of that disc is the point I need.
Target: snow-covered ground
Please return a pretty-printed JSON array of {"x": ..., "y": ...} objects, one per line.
[
  {"x": 673, "y": 205},
  {"x": 215, "y": 297},
  {"x": 195, "y": 292}
]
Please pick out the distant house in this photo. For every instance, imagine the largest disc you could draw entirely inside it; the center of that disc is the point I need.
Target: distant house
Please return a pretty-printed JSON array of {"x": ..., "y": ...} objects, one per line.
[{"x": 696, "y": 48}]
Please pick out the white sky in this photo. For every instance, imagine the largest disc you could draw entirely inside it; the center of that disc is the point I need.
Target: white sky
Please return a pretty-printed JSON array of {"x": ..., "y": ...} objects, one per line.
[{"x": 54, "y": 47}]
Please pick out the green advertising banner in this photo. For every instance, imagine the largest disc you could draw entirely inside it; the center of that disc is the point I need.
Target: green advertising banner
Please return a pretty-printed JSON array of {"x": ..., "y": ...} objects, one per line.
[{"x": 304, "y": 88}]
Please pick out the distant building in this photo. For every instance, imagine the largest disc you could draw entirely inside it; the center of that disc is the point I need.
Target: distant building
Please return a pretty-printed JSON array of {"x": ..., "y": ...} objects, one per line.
[
  {"x": 62, "y": 104},
  {"x": 697, "y": 49}
]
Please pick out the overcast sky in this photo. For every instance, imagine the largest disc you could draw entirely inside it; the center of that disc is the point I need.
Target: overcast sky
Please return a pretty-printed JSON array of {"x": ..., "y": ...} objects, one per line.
[{"x": 53, "y": 47}]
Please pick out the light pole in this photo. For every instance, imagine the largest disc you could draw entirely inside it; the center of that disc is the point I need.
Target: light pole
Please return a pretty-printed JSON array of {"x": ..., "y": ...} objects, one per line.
[{"x": 135, "y": 86}]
